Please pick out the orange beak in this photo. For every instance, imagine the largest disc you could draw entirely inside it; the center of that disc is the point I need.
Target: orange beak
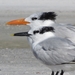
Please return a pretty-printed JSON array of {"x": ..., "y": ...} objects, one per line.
[{"x": 18, "y": 22}]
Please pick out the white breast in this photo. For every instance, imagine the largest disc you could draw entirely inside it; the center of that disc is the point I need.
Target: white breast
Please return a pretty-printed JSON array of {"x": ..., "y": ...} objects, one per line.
[{"x": 41, "y": 37}]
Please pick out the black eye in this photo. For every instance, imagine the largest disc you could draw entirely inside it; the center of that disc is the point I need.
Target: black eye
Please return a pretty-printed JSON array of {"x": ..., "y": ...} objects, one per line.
[
  {"x": 34, "y": 18},
  {"x": 36, "y": 31}
]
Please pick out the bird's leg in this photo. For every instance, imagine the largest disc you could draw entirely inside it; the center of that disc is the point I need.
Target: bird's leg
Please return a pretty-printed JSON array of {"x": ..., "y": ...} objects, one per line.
[
  {"x": 62, "y": 72},
  {"x": 52, "y": 73},
  {"x": 57, "y": 73}
]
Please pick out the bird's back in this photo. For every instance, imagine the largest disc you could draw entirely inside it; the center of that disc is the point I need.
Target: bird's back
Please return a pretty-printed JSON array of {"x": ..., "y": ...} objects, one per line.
[
  {"x": 56, "y": 51},
  {"x": 65, "y": 31}
]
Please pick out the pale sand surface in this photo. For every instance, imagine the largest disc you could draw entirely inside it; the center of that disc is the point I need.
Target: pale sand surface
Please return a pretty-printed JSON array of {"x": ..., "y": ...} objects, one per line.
[
  {"x": 16, "y": 57},
  {"x": 22, "y": 62}
]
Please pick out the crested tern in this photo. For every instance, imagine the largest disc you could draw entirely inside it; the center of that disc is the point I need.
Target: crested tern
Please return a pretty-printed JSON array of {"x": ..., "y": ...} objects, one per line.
[{"x": 52, "y": 43}]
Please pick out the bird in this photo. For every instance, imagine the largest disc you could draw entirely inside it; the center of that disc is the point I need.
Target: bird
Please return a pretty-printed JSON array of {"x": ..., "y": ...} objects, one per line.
[{"x": 52, "y": 43}]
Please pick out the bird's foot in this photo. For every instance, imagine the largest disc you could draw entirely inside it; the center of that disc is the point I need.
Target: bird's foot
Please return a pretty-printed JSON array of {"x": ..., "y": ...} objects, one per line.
[
  {"x": 52, "y": 73},
  {"x": 62, "y": 73}
]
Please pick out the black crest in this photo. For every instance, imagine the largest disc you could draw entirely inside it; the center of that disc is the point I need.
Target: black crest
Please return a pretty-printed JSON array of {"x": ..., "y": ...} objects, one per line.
[
  {"x": 47, "y": 29},
  {"x": 44, "y": 29},
  {"x": 48, "y": 15}
]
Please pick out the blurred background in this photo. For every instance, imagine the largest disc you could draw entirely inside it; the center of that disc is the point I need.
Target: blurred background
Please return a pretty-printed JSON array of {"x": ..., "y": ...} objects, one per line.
[
  {"x": 38, "y": 4},
  {"x": 16, "y": 57},
  {"x": 14, "y": 9}
]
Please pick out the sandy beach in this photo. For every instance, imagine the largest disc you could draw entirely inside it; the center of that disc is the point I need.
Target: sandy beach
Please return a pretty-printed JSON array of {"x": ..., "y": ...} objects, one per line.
[
  {"x": 20, "y": 62},
  {"x": 16, "y": 57}
]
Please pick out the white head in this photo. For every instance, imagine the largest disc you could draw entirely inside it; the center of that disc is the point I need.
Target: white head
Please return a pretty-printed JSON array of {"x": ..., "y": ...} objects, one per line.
[
  {"x": 41, "y": 19},
  {"x": 41, "y": 34},
  {"x": 36, "y": 20},
  {"x": 41, "y": 26},
  {"x": 38, "y": 35}
]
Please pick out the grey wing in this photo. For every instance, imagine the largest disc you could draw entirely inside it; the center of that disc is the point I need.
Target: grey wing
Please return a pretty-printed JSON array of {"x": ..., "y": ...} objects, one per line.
[
  {"x": 57, "y": 51},
  {"x": 65, "y": 31}
]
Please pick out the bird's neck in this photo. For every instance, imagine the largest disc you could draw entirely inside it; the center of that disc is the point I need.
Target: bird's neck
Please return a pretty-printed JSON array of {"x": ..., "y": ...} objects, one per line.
[
  {"x": 39, "y": 24},
  {"x": 41, "y": 37}
]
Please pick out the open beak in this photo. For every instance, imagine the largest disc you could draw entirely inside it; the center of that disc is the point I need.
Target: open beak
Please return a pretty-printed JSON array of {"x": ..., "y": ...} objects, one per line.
[
  {"x": 18, "y": 22},
  {"x": 21, "y": 34}
]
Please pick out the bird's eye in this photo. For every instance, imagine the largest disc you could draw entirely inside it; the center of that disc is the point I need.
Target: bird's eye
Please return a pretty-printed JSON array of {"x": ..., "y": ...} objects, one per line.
[{"x": 34, "y": 18}]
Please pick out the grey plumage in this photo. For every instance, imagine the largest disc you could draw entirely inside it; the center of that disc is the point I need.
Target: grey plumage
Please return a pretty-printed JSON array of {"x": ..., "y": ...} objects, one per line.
[
  {"x": 56, "y": 51},
  {"x": 53, "y": 44},
  {"x": 65, "y": 31},
  {"x": 59, "y": 49}
]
